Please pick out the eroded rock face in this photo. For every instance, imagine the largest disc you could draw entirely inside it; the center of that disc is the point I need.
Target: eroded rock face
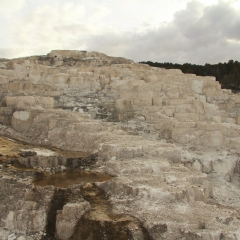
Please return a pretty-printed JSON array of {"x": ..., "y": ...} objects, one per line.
[
  {"x": 171, "y": 141},
  {"x": 68, "y": 218},
  {"x": 24, "y": 209}
]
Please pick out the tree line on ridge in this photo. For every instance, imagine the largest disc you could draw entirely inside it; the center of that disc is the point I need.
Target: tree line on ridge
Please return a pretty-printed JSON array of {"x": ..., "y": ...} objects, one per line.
[{"x": 227, "y": 74}]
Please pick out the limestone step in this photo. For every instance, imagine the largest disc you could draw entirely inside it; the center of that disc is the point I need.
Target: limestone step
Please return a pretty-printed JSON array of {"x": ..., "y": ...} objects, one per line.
[
  {"x": 156, "y": 179},
  {"x": 138, "y": 148}
]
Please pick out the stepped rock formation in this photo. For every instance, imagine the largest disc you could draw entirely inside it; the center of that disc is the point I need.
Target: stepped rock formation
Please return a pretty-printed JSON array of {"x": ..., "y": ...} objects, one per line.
[{"x": 170, "y": 140}]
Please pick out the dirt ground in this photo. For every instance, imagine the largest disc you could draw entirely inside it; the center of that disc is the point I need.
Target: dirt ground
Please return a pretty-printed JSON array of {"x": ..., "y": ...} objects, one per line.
[{"x": 9, "y": 148}]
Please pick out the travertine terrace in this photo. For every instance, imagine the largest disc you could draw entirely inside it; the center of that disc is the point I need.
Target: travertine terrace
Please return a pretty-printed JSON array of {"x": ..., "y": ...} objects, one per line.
[{"x": 170, "y": 140}]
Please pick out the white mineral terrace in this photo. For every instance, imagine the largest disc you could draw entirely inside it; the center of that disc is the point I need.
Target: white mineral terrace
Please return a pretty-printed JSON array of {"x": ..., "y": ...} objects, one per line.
[{"x": 171, "y": 141}]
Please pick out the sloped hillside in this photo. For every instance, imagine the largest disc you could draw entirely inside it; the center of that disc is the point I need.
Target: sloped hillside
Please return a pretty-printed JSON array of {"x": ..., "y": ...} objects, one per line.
[{"x": 169, "y": 140}]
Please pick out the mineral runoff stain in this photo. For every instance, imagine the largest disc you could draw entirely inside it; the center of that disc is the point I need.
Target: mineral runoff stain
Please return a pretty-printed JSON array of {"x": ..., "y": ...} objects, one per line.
[
  {"x": 8, "y": 148},
  {"x": 67, "y": 178}
]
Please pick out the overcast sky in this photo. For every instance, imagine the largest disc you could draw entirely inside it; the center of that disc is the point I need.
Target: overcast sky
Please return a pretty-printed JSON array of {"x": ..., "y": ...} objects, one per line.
[{"x": 178, "y": 31}]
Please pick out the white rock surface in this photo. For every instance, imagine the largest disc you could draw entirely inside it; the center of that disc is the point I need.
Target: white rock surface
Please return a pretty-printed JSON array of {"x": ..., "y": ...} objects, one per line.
[
  {"x": 68, "y": 218},
  {"x": 171, "y": 140}
]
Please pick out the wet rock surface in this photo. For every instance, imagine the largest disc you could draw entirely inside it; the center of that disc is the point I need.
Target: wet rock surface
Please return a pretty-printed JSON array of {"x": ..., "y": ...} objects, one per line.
[{"x": 101, "y": 223}]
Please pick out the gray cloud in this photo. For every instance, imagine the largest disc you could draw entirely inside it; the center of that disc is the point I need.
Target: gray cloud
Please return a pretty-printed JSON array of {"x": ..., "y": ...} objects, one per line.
[{"x": 197, "y": 34}]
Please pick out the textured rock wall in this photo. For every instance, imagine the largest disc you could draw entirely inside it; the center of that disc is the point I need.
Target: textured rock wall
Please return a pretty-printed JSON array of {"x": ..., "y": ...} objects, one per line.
[
  {"x": 23, "y": 210},
  {"x": 190, "y": 108},
  {"x": 170, "y": 139}
]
